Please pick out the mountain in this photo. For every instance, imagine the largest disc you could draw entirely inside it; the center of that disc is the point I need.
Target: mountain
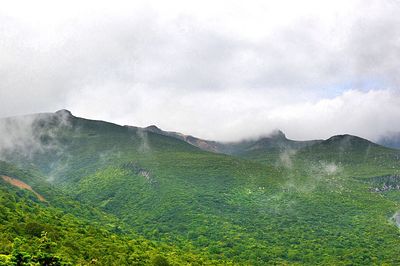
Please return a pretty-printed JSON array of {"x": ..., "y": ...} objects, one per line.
[
  {"x": 276, "y": 139},
  {"x": 273, "y": 143},
  {"x": 266, "y": 201},
  {"x": 269, "y": 148},
  {"x": 206, "y": 145}
]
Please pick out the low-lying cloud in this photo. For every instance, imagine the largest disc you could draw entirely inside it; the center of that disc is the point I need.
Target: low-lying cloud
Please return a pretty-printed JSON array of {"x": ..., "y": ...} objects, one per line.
[
  {"x": 215, "y": 115},
  {"x": 29, "y": 135}
]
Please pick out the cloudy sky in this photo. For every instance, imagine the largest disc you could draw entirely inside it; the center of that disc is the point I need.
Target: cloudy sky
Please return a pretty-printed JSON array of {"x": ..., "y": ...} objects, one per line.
[{"x": 220, "y": 70}]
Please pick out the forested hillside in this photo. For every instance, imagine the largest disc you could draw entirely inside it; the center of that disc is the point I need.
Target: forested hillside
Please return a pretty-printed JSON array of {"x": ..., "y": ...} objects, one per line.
[{"x": 118, "y": 195}]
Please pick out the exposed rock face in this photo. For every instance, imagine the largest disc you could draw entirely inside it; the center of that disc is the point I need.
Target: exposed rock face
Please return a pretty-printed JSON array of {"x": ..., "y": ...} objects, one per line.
[
  {"x": 136, "y": 169},
  {"x": 200, "y": 143},
  {"x": 385, "y": 183},
  {"x": 22, "y": 185}
]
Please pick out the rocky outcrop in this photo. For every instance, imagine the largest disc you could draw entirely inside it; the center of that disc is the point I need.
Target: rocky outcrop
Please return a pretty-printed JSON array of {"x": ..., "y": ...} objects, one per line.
[{"x": 385, "y": 183}]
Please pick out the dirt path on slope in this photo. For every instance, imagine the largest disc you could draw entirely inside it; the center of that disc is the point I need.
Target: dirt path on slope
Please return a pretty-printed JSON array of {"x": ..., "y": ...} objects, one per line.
[{"x": 18, "y": 183}]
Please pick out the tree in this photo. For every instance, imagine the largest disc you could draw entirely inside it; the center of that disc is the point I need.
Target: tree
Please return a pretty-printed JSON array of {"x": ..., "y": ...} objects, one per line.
[
  {"x": 19, "y": 257},
  {"x": 44, "y": 255},
  {"x": 160, "y": 260}
]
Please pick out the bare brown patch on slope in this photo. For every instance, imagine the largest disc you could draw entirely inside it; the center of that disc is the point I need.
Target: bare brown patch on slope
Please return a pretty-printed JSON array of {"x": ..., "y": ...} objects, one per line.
[{"x": 18, "y": 183}]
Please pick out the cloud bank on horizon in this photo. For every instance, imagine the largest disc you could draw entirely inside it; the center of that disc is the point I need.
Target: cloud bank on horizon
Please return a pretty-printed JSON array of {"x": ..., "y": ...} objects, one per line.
[{"x": 217, "y": 70}]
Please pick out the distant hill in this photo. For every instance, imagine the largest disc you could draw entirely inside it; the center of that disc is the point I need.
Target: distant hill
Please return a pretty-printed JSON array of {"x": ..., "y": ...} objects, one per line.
[
  {"x": 273, "y": 142},
  {"x": 343, "y": 143},
  {"x": 349, "y": 149},
  {"x": 206, "y": 145}
]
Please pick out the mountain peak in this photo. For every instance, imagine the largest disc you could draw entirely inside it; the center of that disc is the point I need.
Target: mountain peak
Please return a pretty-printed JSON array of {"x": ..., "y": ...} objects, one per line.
[
  {"x": 347, "y": 140},
  {"x": 153, "y": 128},
  {"x": 344, "y": 137},
  {"x": 64, "y": 112},
  {"x": 277, "y": 134}
]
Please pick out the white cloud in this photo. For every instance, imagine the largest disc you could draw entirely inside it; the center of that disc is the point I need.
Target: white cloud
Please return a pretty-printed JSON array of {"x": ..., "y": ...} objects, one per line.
[
  {"x": 368, "y": 114},
  {"x": 240, "y": 114},
  {"x": 216, "y": 69}
]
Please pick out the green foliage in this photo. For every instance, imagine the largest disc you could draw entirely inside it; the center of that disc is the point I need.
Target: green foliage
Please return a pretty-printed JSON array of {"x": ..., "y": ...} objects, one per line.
[
  {"x": 70, "y": 240},
  {"x": 41, "y": 256},
  {"x": 121, "y": 196},
  {"x": 160, "y": 261}
]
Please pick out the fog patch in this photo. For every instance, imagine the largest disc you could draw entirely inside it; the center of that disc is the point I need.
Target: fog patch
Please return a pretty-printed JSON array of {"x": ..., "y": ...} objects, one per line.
[
  {"x": 144, "y": 145},
  {"x": 325, "y": 173},
  {"x": 396, "y": 219},
  {"x": 329, "y": 168},
  {"x": 315, "y": 175},
  {"x": 58, "y": 167},
  {"x": 285, "y": 158},
  {"x": 107, "y": 156},
  {"x": 25, "y": 136}
]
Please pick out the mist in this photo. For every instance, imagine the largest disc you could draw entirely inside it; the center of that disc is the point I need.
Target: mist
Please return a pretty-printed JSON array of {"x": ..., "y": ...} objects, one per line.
[{"x": 32, "y": 134}]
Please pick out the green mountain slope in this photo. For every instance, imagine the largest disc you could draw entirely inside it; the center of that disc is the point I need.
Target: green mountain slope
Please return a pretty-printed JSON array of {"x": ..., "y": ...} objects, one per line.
[
  {"x": 354, "y": 153},
  {"x": 277, "y": 201},
  {"x": 33, "y": 232}
]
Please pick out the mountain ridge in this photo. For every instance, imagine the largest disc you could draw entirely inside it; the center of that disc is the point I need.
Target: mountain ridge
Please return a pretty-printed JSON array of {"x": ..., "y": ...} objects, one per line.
[
  {"x": 239, "y": 207},
  {"x": 228, "y": 147}
]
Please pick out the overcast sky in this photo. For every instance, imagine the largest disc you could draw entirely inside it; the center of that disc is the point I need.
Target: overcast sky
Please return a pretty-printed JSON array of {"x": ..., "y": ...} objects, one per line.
[{"x": 220, "y": 70}]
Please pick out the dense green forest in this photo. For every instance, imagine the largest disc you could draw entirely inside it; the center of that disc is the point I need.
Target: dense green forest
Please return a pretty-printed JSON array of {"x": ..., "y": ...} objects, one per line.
[
  {"x": 124, "y": 196},
  {"x": 65, "y": 232}
]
